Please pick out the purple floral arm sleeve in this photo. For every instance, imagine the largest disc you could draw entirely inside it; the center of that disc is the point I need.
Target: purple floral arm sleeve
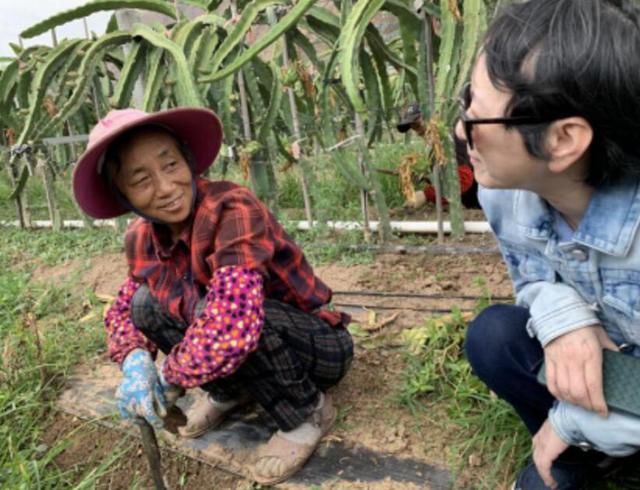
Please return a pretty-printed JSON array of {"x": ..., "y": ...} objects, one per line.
[
  {"x": 225, "y": 333},
  {"x": 122, "y": 335}
]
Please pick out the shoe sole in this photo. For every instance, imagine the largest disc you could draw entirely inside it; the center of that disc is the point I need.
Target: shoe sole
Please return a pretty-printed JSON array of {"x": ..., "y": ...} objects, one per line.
[
  {"x": 327, "y": 425},
  {"x": 217, "y": 423},
  {"x": 195, "y": 435}
]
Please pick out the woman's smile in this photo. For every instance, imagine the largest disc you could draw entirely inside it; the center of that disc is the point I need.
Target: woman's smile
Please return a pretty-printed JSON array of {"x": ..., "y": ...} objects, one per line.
[{"x": 173, "y": 205}]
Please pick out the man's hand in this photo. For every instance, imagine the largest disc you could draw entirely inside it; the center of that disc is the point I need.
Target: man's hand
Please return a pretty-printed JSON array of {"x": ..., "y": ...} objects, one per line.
[
  {"x": 574, "y": 367},
  {"x": 547, "y": 446}
]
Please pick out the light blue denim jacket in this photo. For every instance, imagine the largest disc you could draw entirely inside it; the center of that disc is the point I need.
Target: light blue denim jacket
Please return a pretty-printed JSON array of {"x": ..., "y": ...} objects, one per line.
[{"x": 594, "y": 277}]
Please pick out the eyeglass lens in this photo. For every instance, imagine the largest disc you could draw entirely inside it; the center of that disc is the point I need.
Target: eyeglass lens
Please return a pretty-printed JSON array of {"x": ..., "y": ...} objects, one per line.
[{"x": 465, "y": 103}]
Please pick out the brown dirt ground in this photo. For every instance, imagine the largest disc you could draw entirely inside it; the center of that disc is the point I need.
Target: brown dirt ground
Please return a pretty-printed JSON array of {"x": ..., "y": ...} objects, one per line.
[{"x": 367, "y": 415}]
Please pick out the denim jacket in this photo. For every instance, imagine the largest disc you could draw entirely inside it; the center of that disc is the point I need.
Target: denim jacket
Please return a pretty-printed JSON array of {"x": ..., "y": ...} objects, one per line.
[{"x": 594, "y": 277}]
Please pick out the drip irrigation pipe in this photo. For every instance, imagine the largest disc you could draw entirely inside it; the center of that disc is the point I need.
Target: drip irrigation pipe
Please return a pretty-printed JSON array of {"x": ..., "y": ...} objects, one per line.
[
  {"x": 408, "y": 308},
  {"x": 389, "y": 294}
]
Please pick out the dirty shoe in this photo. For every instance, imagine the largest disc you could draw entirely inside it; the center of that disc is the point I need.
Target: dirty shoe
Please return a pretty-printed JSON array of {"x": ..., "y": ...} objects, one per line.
[
  {"x": 286, "y": 452},
  {"x": 207, "y": 414}
]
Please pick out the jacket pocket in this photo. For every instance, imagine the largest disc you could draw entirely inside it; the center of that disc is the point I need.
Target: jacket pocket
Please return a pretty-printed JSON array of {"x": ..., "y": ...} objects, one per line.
[
  {"x": 527, "y": 264},
  {"x": 621, "y": 301}
]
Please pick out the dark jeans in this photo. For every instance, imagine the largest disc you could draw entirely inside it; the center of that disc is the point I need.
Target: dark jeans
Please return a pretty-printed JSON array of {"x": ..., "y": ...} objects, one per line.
[
  {"x": 298, "y": 354},
  {"x": 507, "y": 360}
]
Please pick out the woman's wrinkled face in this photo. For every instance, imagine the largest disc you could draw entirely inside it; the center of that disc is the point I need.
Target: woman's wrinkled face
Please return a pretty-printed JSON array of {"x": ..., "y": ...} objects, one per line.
[{"x": 155, "y": 178}]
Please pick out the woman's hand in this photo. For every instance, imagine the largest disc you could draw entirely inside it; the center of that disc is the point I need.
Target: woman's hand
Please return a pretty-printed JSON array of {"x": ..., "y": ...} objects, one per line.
[
  {"x": 574, "y": 367},
  {"x": 417, "y": 200},
  {"x": 141, "y": 392}
]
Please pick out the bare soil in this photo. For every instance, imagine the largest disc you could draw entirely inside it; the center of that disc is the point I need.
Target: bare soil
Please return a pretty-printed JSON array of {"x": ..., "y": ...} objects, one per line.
[{"x": 368, "y": 414}]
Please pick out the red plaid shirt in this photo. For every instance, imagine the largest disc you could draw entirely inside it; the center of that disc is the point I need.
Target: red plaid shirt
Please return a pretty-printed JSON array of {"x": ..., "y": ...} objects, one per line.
[
  {"x": 465, "y": 175},
  {"x": 229, "y": 227}
]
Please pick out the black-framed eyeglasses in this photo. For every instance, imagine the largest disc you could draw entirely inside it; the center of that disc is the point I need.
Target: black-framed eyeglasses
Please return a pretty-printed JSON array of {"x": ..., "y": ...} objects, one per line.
[{"x": 469, "y": 122}]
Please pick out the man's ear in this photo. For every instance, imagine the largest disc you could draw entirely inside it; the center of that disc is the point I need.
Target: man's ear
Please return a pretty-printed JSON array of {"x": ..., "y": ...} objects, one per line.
[{"x": 567, "y": 142}]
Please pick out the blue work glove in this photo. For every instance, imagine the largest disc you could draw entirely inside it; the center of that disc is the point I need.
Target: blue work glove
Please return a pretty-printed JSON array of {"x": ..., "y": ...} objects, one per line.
[
  {"x": 141, "y": 392},
  {"x": 171, "y": 392}
]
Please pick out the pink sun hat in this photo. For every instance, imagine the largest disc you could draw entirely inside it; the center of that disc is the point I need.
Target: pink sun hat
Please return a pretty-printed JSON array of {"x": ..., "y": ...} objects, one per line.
[{"x": 199, "y": 129}]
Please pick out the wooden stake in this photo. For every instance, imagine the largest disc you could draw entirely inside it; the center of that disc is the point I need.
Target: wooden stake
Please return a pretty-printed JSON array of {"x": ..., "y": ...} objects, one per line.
[
  {"x": 296, "y": 134},
  {"x": 436, "y": 180},
  {"x": 49, "y": 192},
  {"x": 364, "y": 195}
]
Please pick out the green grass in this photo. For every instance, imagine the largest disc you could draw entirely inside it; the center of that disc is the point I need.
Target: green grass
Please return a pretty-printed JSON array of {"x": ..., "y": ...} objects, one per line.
[
  {"x": 49, "y": 247},
  {"x": 322, "y": 245},
  {"x": 439, "y": 379},
  {"x": 41, "y": 339},
  {"x": 36, "y": 199}
]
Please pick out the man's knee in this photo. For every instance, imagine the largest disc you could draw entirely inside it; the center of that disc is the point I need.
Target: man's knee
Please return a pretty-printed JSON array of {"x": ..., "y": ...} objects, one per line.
[{"x": 490, "y": 335}]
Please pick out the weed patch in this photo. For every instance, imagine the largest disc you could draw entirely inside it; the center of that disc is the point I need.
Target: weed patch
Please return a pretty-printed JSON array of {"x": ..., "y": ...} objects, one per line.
[
  {"x": 322, "y": 245},
  {"x": 41, "y": 338},
  {"x": 439, "y": 378},
  {"x": 20, "y": 247}
]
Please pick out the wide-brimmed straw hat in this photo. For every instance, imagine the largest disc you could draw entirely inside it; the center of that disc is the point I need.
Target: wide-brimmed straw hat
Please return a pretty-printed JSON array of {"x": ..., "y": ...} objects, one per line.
[{"x": 198, "y": 129}]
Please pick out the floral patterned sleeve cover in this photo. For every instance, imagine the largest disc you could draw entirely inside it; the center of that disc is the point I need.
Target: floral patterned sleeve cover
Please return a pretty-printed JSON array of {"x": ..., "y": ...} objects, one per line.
[
  {"x": 122, "y": 335},
  {"x": 216, "y": 343}
]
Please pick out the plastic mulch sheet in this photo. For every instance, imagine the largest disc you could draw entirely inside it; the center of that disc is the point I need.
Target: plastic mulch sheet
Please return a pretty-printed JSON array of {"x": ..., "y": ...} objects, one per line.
[{"x": 233, "y": 446}]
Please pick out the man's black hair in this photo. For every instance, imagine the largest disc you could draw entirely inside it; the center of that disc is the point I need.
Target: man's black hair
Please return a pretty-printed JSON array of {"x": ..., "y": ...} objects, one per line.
[{"x": 565, "y": 58}]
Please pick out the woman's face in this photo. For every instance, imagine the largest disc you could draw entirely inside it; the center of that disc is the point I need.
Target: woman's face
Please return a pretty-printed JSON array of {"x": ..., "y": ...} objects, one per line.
[{"x": 155, "y": 178}]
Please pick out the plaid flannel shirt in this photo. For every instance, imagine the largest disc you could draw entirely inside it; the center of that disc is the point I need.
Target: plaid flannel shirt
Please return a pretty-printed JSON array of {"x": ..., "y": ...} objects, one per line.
[{"x": 229, "y": 227}]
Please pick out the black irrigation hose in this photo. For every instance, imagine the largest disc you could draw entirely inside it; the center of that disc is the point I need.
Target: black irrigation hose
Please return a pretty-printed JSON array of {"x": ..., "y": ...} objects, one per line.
[
  {"x": 408, "y": 308},
  {"x": 391, "y": 294}
]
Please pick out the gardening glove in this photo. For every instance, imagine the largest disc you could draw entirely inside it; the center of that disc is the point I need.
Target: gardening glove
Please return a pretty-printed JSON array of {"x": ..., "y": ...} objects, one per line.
[
  {"x": 171, "y": 392},
  {"x": 141, "y": 392},
  {"x": 417, "y": 200}
]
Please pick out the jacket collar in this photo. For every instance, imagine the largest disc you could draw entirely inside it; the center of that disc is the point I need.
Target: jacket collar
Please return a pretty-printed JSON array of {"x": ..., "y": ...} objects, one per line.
[{"x": 609, "y": 225}]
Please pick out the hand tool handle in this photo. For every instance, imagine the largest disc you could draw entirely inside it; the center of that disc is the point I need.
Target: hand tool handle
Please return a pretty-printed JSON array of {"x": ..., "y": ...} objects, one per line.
[{"x": 150, "y": 445}]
